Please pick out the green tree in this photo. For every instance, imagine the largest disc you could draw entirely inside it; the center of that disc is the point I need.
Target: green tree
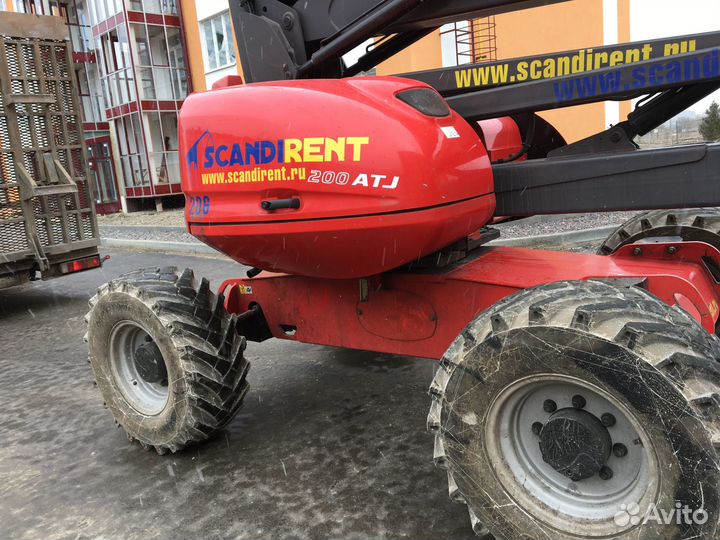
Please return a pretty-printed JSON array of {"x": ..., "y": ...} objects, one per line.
[{"x": 710, "y": 125}]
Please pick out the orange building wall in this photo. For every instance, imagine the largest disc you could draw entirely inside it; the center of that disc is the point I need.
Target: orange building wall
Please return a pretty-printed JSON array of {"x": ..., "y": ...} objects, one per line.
[
  {"x": 193, "y": 42},
  {"x": 560, "y": 27},
  {"x": 193, "y": 48},
  {"x": 623, "y": 37},
  {"x": 425, "y": 54},
  {"x": 237, "y": 57},
  {"x": 571, "y": 25}
]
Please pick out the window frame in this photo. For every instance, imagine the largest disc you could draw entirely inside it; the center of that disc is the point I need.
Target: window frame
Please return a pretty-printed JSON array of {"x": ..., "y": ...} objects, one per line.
[{"x": 222, "y": 21}]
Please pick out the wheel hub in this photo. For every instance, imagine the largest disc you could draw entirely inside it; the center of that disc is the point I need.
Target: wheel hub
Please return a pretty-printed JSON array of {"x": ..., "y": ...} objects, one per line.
[
  {"x": 138, "y": 368},
  {"x": 149, "y": 363},
  {"x": 575, "y": 443},
  {"x": 545, "y": 428}
]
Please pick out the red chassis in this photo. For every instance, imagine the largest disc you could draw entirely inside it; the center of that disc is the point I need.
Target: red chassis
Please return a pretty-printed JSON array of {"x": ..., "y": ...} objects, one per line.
[{"x": 420, "y": 314}]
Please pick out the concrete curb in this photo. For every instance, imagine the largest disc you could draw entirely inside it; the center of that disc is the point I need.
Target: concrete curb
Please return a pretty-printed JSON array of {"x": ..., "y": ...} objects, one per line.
[
  {"x": 196, "y": 248},
  {"x": 145, "y": 228},
  {"x": 188, "y": 248}
]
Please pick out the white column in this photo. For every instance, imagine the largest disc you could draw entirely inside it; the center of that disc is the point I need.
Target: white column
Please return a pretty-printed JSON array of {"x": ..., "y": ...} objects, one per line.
[{"x": 610, "y": 37}]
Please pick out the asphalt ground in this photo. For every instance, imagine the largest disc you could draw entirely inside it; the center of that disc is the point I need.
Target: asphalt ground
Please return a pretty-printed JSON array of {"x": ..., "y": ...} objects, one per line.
[{"x": 331, "y": 443}]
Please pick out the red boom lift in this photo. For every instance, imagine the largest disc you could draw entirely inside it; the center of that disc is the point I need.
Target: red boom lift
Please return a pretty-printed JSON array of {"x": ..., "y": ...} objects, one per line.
[{"x": 577, "y": 396}]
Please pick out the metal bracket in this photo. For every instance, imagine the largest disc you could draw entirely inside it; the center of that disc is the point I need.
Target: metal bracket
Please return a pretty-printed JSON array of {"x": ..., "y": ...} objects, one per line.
[
  {"x": 33, "y": 99},
  {"x": 614, "y": 139},
  {"x": 364, "y": 290},
  {"x": 62, "y": 182},
  {"x": 40, "y": 258},
  {"x": 259, "y": 33},
  {"x": 27, "y": 189}
]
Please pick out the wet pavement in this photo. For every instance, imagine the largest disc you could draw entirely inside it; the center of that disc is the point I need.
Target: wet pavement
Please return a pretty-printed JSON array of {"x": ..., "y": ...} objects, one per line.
[{"x": 330, "y": 443}]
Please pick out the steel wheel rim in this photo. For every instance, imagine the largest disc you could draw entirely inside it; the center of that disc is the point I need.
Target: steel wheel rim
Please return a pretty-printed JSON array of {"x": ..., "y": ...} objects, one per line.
[
  {"x": 596, "y": 505},
  {"x": 145, "y": 397}
]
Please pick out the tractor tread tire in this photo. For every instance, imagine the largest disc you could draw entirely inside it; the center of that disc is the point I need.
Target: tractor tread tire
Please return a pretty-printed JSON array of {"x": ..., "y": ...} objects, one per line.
[
  {"x": 665, "y": 337},
  {"x": 702, "y": 224},
  {"x": 208, "y": 345}
]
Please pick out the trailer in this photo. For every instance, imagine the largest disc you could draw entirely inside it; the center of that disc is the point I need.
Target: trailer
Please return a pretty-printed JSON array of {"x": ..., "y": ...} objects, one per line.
[
  {"x": 577, "y": 396},
  {"x": 48, "y": 226}
]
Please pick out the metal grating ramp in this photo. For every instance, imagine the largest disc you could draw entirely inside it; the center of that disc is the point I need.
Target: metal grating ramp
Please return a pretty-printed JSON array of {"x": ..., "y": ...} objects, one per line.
[{"x": 46, "y": 203}]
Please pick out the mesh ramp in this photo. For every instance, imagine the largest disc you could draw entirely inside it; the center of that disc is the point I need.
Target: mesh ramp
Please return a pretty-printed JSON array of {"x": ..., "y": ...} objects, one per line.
[{"x": 47, "y": 213}]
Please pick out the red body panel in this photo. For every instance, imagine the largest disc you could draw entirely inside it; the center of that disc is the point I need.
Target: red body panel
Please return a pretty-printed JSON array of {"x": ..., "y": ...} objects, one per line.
[
  {"x": 351, "y": 246},
  {"x": 502, "y": 138},
  {"x": 351, "y": 154},
  {"x": 227, "y": 80},
  {"x": 432, "y": 309},
  {"x": 367, "y": 184}
]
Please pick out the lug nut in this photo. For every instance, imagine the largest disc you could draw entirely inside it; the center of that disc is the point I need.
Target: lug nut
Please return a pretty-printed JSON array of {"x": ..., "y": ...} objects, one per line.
[
  {"x": 606, "y": 473},
  {"x": 537, "y": 428},
  {"x": 579, "y": 402},
  {"x": 620, "y": 450},
  {"x": 549, "y": 406},
  {"x": 608, "y": 420}
]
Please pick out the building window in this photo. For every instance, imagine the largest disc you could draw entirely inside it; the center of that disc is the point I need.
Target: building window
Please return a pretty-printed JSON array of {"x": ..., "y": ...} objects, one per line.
[
  {"x": 162, "y": 130},
  {"x": 469, "y": 42},
  {"x": 219, "y": 43},
  {"x": 160, "y": 62},
  {"x": 3, "y": 5},
  {"x": 131, "y": 147},
  {"x": 39, "y": 7},
  {"x": 101, "y": 10},
  {"x": 79, "y": 25},
  {"x": 167, "y": 7}
]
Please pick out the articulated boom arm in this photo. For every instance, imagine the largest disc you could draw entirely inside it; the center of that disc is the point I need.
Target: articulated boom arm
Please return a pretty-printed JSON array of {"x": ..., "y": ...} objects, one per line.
[
  {"x": 293, "y": 39},
  {"x": 307, "y": 39}
]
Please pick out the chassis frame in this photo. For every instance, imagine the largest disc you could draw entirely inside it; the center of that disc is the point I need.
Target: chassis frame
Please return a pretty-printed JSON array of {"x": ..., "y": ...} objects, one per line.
[{"x": 420, "y": 313}]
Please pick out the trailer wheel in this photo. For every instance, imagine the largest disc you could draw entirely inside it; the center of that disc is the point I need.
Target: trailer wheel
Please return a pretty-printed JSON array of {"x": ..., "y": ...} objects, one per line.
[
  {"x": 167, "y": 357},
  {"x": 693, "y": 225},
  {"x": 581, "y": 410}
]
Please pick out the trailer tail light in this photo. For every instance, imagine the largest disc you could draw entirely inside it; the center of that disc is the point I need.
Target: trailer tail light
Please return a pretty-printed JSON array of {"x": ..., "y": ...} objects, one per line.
[
  {"x": 80, "y": 265},
  {"x": 427, "y": 101}
]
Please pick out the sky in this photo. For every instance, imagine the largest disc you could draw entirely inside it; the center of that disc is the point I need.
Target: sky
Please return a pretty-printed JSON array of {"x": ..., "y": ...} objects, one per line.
[{"x": 650, "y": 19}]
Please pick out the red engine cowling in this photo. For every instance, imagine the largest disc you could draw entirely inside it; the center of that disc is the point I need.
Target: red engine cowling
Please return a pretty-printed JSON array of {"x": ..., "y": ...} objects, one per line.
[{"x": 331, "y": 178}]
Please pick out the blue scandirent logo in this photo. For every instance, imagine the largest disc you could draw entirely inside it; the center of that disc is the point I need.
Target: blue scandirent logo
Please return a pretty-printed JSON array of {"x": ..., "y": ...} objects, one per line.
[{"x": 193, "y": 155}]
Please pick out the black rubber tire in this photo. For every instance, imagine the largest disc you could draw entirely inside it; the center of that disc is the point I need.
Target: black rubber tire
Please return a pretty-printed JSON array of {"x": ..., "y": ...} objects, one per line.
[
  {"x": 696, "y": 224},
  {"x": 199, "y": 342},
  {"x": 655, "y": 359}
]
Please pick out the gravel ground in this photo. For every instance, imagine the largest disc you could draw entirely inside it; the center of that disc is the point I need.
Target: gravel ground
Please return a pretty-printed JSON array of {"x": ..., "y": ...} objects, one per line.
[
  {"x": 161, "y": 234},
  {"x": 538, "y": 225},
  {"x": 582, "y": 249},
  {"x": 168, "y": 218},
  {"x": 170, "y": 225}
]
